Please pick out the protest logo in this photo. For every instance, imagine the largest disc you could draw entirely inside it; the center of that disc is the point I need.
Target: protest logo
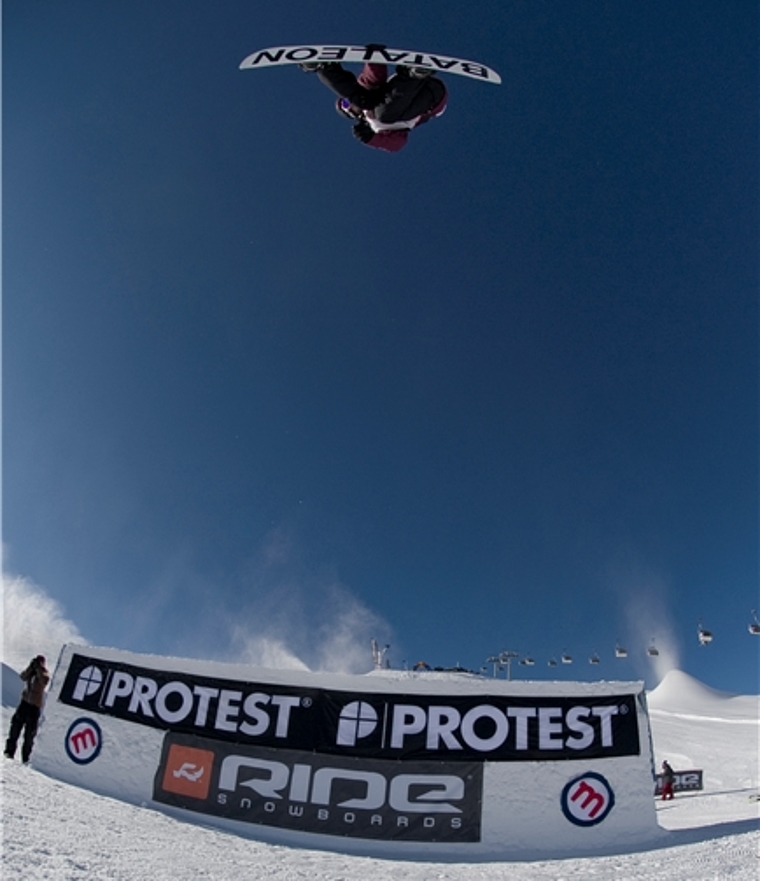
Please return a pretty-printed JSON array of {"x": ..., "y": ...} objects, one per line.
[{"x": 357, "y": 719}]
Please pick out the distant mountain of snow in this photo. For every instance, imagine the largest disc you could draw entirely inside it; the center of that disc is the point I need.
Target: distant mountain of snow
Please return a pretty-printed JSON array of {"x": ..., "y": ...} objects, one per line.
[
  {"x": 12, "y": 686},
  {"x": 682, "y": 694}
]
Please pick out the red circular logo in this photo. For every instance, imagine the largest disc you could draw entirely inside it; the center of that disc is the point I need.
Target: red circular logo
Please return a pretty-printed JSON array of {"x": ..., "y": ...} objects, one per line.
[{"x": 83, "y": 741}]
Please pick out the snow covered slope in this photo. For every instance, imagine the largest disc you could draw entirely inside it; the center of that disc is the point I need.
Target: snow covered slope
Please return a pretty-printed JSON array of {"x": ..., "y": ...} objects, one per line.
[
  {"x": 56, "y": 831},
  {"x": 683, "y": 694},
  {"x": 403, "y": 765},
  {"x": 695, "y": 726}
]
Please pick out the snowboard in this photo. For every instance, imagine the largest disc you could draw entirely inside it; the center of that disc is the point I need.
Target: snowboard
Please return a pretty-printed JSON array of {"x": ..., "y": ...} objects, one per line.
[{"x": 359, "y": 54}]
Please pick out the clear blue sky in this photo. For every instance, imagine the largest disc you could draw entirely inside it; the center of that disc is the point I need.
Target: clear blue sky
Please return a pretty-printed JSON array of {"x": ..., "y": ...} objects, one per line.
[{"x": 497, "y": 391}]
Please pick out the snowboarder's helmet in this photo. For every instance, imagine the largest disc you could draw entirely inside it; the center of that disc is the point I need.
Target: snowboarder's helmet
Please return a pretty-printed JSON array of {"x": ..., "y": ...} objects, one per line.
[{"x": 346, "y": 108}]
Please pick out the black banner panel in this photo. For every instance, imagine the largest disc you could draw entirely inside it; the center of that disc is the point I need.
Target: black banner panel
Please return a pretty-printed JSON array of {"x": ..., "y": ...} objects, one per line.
[
  {"x": 419, "y": 727},
  {"x": 683, "y": 781},
  {"x": 329, "y": 795}
]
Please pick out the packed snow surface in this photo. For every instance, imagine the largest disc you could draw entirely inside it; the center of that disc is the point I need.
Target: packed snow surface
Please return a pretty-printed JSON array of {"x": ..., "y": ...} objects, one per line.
[{"x": 53, "y": 830}]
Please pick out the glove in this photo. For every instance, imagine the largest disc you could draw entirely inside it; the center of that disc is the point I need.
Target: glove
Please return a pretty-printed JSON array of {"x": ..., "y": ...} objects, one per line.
[{"x": 362, "y": 131}]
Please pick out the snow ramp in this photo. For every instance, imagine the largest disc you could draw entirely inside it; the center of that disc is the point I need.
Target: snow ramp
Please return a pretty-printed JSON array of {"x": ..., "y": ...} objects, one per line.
[{"x": 395, "y": 764}]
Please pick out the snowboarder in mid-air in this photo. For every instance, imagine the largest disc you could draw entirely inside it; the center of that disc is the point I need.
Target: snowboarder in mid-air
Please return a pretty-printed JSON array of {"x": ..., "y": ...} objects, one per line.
[{"x": 384, "y": 109}]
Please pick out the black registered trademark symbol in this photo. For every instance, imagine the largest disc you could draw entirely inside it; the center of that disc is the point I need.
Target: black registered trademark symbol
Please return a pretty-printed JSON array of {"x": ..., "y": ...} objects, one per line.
[
  {"x": 623, "y": 709},
  {"x": 306, "y": 702}
]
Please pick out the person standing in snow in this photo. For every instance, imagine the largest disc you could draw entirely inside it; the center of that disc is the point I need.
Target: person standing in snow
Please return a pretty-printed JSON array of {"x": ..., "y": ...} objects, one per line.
[
  {"x": 27, "y": 715},
  {"x": 384, "y": 109},
  {"x": 668, "y": 779}
]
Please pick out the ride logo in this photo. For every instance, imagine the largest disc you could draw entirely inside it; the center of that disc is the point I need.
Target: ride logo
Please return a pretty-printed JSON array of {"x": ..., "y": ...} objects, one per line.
[
  {"x": 684, "y": 781},
  {"x": 326, "y": 794}
]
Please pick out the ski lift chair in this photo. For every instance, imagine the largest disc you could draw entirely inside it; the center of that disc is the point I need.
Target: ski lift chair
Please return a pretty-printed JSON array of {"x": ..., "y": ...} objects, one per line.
[{"x": 705, "y": 636}]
